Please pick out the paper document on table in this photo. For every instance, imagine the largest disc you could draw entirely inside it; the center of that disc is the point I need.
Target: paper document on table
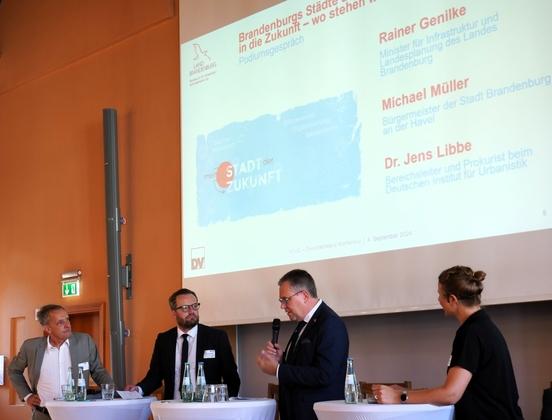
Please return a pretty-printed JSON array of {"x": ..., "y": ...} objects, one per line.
[{"x": 129, "y": 395}]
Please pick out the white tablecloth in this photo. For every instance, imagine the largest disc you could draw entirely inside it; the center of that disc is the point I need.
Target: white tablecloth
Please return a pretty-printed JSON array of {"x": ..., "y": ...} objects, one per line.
[
  {"x": 338, "y": 410},
  {"x": 254, "y": 409},
  {"x": 116, "y": 409}
]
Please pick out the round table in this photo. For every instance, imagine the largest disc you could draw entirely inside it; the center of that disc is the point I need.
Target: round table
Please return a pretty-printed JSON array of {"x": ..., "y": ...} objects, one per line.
[
  {"x": 338, "y": 410},
  {"x": 242, "y": 409},
  {"x": 117, "y": 409}
]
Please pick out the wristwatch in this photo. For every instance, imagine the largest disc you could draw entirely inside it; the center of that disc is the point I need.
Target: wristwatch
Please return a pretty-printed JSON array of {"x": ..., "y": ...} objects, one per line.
[{"x": 404, "y": 397}]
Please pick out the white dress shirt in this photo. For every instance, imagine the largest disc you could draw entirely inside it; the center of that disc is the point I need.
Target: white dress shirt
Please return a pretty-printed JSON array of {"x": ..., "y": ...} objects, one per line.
[
  {"x": 309, "y": 315},
  {"x": 53, "y": 372},
  {"x": 192, "y": 346}
]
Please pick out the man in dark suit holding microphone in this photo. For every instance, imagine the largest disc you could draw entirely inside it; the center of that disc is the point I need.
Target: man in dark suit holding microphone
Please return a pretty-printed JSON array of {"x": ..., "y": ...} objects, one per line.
[
  {"x": 312, "y": 367},
  {"x": 190, "y": 342}
]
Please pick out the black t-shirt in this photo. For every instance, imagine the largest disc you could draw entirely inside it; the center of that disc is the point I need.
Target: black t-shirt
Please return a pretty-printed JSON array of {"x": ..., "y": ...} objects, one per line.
[{"x": 480, "y": 348}]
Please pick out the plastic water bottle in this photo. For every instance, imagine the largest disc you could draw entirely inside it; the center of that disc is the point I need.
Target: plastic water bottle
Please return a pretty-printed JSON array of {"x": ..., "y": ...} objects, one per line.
[
  {"x": 81, "y": 386},
  {"x": 201, "y": 383},
  {"x": 187, "y": 388},
  {"x": 351, "y": 383}
]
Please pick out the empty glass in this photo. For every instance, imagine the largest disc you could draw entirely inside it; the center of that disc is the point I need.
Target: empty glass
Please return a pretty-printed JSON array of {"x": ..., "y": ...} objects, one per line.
[
  {"x": 68, "y": 393},
  {"x": 222, "y": 392},
  {"x": 210, "y": 394},
  {"x": 108, "y": 391}
]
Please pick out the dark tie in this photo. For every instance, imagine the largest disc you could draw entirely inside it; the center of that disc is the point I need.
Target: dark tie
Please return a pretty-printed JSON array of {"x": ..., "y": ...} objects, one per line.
[
  {"x": 184, "y": 357},
  {"x": 294, "y": 338}
]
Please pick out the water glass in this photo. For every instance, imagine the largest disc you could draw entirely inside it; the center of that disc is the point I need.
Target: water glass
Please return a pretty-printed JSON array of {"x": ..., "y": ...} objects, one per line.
[
  {"x": 210, "y": 394},
  {"x": 68, "y": 392},
  {"x": 222, "y": 392},
  {"x": 108, "y": 391}
]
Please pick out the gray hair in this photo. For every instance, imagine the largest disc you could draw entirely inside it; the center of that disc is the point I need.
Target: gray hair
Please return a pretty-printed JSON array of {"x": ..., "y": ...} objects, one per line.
[
  {"x": 300, "y": 279},
  {"x": 43, "y": 314}
]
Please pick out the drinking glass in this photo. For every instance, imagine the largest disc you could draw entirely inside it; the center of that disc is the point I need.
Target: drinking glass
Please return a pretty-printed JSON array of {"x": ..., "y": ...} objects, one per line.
[
  {"x": 108, "y": 391},
  {"x": 222, "y": 393},
  {"x": 68, "y": 392},
  {"x": 210, "y": 394}
]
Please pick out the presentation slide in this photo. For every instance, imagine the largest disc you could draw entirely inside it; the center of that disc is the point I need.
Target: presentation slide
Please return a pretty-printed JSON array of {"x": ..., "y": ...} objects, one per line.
[{"x": 318, "y": 130}]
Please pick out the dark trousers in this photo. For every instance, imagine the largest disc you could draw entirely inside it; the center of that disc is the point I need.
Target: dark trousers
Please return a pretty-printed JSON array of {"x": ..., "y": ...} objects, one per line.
[
  {"x": 39, "y": 415},
  {"x": 546, "y": 413}
]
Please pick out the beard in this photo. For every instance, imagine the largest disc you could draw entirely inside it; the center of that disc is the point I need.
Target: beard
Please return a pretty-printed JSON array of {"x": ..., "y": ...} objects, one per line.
[{"x": 188, "y": 323}]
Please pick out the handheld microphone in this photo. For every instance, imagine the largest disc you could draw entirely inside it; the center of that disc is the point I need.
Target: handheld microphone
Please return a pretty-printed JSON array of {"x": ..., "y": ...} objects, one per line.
[{"x": 275, "y": 330}]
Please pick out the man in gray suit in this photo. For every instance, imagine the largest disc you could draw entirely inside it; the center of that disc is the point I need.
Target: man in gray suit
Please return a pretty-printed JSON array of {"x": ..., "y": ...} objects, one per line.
[{"x": 47, "y": 360}]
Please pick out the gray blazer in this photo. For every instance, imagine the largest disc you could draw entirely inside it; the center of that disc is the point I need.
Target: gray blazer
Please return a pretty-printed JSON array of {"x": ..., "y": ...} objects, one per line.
[{"x": 82, "y": 349}]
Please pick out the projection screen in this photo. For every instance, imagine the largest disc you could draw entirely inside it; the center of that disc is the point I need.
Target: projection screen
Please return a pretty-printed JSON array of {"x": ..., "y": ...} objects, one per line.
[{"x": 373, "y": 143}]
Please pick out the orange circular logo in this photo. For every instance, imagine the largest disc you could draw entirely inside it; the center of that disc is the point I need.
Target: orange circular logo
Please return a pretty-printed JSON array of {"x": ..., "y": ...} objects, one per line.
[{"x": 225, "y": 174}]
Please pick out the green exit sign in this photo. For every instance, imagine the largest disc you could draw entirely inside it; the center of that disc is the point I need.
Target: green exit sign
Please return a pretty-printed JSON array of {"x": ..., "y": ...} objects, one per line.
[{"x": 70, "y": 288}]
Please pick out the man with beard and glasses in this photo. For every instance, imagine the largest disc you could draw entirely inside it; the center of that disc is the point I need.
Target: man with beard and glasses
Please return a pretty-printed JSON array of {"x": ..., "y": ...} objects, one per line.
[{"x": 190, "y": 342}]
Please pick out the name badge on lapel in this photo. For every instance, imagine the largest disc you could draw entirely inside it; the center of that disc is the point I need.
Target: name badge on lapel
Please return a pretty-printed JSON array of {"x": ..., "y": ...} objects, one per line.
[
  {"x": 209, "y": 354},
  {"x": 84, "y": 366}
]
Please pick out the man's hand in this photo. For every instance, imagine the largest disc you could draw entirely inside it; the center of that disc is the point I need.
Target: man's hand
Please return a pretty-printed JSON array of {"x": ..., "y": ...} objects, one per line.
[
  {"x": 386, "y": 394},
  {"x": 131, "y": 388},
  {"x": 269, "y": 357},
  {"x": 267, "y": 363},
  {"x": 274, "y": 351},
  {"x": 33, "y": 401}
]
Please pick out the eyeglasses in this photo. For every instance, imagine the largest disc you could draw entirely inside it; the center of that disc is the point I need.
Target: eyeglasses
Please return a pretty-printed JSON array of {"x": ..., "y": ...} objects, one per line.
[
  {"x": 285, "y": 300},
  {"x": 186, "y": 308}
]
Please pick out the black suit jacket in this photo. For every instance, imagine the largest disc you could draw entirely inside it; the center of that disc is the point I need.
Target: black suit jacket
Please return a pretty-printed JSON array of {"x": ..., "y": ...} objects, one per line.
[
  {"x": 315, "y": 370},
  {"x": 546, "y": 413},
  {"x": 220, "y": 369}
]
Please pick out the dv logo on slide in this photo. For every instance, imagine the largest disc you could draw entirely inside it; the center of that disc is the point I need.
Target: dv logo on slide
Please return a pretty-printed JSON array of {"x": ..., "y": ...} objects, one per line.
[{"x": 198, "y": 258}]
